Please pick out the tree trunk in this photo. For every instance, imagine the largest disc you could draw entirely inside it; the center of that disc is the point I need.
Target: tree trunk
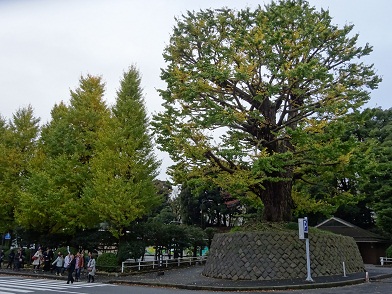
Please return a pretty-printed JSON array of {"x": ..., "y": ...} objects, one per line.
[{"x": 277, "y": 201}]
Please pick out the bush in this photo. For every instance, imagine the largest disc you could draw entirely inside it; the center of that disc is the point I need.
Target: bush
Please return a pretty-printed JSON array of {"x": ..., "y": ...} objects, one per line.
[
  {"x": 389, "y": 251},
  {"x": 107, "y": 262},
  {"x": 133, "y": 250}
]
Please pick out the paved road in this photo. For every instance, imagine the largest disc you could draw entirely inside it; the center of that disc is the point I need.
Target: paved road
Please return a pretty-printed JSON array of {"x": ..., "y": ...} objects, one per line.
[{"x": 18, "y": 285}]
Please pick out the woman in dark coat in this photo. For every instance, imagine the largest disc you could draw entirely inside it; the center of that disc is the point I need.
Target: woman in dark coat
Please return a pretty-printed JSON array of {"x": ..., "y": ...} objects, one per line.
[{"x": 11, "y": 257}]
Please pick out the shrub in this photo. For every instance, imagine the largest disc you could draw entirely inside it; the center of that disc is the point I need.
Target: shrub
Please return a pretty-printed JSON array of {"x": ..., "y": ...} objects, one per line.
[
  {"x": 133, "y": 250},
  {"x": 107, "y": 262},
  {"x": 389, "y": 251}
]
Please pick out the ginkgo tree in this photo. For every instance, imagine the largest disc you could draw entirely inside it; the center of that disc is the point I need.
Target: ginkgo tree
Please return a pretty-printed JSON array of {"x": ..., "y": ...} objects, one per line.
[
  {"x": 256, "y": 98},
  {"x": 125, "y": 167},
  {"x": 18, "y": 142},
  {"x": 54, "y": 199}
]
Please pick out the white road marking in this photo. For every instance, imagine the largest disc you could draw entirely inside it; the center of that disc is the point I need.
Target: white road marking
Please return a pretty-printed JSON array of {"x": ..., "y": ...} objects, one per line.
[{"x": 18, "y": 286}]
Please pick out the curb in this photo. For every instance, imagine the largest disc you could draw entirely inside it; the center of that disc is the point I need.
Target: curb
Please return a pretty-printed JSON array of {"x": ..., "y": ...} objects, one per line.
[
  {"x": 243, "y": 288},
  {"x": 305, "y": 286}
]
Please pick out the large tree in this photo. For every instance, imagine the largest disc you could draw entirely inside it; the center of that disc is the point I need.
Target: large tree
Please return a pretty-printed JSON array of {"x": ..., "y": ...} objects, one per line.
[
  {"x": 125, "y": 167},
  {"x": 378, "y": 129},
  {"x": 255, "y": 98},
  {"x": 18, "y": 142},
  {"x": 54, "y": 199}
]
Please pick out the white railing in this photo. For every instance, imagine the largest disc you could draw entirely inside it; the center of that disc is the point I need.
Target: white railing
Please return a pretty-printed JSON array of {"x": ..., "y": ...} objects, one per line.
[
  {"x": 139, "y": 265},
  {"x": 385, "y": 260}
]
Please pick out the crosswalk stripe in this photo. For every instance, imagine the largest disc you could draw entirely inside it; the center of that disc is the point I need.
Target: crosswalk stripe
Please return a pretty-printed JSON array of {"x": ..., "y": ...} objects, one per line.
[
  {"x": 19, "y": 286},
  {"x": 16, "y": 290}
]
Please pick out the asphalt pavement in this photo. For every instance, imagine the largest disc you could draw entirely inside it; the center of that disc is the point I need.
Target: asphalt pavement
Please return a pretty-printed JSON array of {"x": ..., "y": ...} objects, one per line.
[{"x": 191, "y": 278}]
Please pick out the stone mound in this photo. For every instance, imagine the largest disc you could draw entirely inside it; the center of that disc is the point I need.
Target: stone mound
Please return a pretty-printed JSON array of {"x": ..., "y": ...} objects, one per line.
[{"x": 280, "y": 255}]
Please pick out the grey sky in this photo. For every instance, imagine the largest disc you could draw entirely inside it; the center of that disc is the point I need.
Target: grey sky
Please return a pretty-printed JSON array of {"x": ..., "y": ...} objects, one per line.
[{"x": 46, "y": 45}]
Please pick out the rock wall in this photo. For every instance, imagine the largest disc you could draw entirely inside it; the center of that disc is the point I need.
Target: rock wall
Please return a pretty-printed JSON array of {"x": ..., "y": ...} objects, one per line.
[{"x": 280, "y": 255}]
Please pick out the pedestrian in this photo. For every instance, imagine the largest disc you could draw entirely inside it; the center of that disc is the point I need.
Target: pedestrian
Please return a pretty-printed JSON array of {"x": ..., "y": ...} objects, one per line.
[
  {"x": 91, "y": 268},
  {"x": 46, "y": 258},
  {"x": 71, "y": 269},
  {"x": 79, "y": 264},
  {"x": 37, "y": 259},
  {"x": 67, "y": 260},
  {"x": 2, "y": 255},
  {"x": 11, "y": 257},
  {"x": 51, "y": 258},
  {"x": 58, "y": 263},
  {"x": 23, "y": 252},
  {"x": 18, "y": 259}
]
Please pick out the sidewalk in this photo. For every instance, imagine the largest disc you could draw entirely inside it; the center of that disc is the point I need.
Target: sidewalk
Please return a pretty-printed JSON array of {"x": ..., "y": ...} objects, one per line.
[{"x": 192, "y": 279}]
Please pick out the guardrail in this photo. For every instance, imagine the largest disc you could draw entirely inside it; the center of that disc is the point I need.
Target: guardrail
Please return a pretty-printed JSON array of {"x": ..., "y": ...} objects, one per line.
[
  {"x": 385, "y": 260},
  {"x": 139, "y": 265}
]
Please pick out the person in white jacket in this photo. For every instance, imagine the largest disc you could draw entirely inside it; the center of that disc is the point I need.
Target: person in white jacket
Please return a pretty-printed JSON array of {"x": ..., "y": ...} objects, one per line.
[
  {"x": 37, "y": 259},
  {"x": 59, "y": 261},
  {"x": 91, "y": 268},
  {"x": 67, "y": 260}
]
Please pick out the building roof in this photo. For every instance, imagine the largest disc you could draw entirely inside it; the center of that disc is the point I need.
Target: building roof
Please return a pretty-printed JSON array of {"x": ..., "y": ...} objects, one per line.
[{"x": 339, "y": 226}]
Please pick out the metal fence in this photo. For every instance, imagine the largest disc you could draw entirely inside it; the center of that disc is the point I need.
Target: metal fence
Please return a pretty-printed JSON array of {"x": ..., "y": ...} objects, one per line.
[{"x": 152, "y": 264}]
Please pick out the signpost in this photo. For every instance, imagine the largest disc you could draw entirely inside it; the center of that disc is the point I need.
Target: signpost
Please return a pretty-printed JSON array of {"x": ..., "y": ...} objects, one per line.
[{"x": 303, "y": 229}]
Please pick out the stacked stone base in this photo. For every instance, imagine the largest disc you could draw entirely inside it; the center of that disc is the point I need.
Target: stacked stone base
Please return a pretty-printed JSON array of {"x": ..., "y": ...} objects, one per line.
[{"x": 280, "y": 255}]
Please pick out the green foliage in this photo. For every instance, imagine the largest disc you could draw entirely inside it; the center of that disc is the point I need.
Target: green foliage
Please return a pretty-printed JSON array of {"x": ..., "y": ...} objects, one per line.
[
  {"x": 91, "y": 239},
  {"x": 18, "y": 142},
  {"x": 124, "y": 167},
  {"x": 107, "y": 262},
  {"x": 258, "y": 100},
  {"x": 389, "y": 251},
  {"x": 378, "y": 188},
  {"x": 64, "y": 250},
  {"x": 133, "y": 250},
  {"x": 91, "y": 165},
  {"x": 54, "y": 199}
]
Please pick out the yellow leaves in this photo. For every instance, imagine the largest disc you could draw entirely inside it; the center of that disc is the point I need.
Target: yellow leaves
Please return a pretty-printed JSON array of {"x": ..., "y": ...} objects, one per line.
[
  {"x": 315, "y": 125},
  {"x": 240, "y": 116},
  {"x": 345, "y": 159},
  {"x": 305, "y": 204}
]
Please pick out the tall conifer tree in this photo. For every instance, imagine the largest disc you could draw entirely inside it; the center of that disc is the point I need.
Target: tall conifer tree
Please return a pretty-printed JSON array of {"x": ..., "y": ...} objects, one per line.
[
  {"x": 18, "y": 141},
  {"x": 54, "y": 199},
  {"x": 125, "y": 168}
]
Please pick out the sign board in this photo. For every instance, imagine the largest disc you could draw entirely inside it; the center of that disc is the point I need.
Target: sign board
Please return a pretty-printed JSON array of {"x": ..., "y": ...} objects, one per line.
[
  {"x": 301, "y": 229},
  {"x": 306, "y": 227},
  {"x": 7, "y": 236}
]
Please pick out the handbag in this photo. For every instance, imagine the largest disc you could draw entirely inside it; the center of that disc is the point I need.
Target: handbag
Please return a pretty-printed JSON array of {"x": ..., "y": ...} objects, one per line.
[{"x": 89, "y": 269}]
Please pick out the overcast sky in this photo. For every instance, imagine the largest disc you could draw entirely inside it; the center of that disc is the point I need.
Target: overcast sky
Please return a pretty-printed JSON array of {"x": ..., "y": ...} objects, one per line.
[{"x": 46, "y": 45}]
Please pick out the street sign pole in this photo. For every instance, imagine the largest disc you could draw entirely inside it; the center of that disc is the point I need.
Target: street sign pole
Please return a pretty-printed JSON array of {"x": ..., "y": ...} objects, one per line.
[{"x": 306, "y": 233}]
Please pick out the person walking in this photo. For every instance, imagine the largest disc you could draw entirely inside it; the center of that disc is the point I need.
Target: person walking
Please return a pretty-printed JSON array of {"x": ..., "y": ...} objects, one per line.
[
  {"x": 91, "y": 268},
  {"x": 67, "y": 260},
  {"x": 79, "y": 264},
  {"x": 37, "y": 259},
  {"x": 58, "y": 263},
  {"x": 18, "y": 260},
  {"x": 46, "y": 260},
  {"x": 71, "y": 269},
  {"x": 11, "y": 257},
  {"x": 2, "y": 255}
]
